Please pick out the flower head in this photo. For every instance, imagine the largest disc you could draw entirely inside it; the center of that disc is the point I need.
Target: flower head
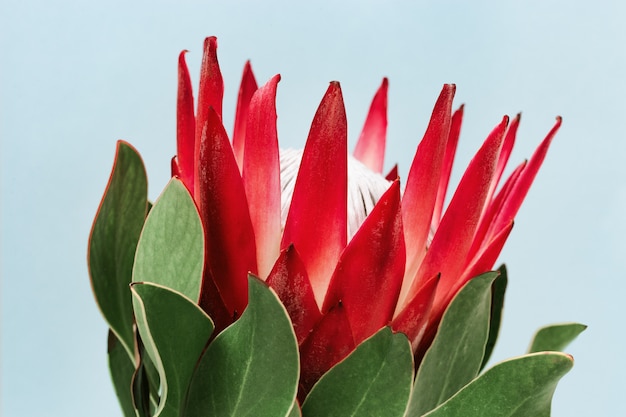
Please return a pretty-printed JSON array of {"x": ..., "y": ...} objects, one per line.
[{"x": 345, "y": 250}]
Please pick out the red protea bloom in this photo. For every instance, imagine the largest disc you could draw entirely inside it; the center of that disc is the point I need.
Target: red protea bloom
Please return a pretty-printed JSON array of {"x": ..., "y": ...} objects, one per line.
[{"x": 346, "y": 252}]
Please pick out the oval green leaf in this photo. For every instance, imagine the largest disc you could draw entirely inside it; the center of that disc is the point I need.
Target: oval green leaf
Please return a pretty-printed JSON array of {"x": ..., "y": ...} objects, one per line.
[
  {"x": 456, "y": 354},
  {"x": 555, "y": 337},
  {"x": 498, "y": 289},
  {"x": 252, "y": 367},
  {"x": 174, "y": 331},
  {"x": 122, "y": 370},
  {"x": 518, "y": 387},
  {"x": 374, "y": 380},
  {"x": 113, "y": 240},
  {"x": 170, "y": 251}
]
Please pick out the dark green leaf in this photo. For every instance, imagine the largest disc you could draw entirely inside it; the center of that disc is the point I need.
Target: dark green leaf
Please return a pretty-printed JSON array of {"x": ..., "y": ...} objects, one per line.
[
  {"x": 519, "y": 387},
  {"x": 113, "y": 241},
  {"x": 374, "y": 380},
  {"x": 174, "y": 331},
  {"x": 555, "y": 337},
  {"x": 122, "y": 370},
  {"x": 498, "y": 288},
  {"x": 252, "y": 367},
  {"x": 171, "y": 247},
  {"x": 455, "y": 356}
]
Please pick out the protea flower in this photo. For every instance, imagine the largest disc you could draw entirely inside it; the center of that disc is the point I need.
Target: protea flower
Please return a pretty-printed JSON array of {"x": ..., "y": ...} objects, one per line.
[{"x": 346, "y": 250}]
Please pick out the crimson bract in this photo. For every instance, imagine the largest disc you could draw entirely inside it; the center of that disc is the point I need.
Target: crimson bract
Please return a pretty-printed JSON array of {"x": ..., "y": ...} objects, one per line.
[{"x": 404, "y": 263}]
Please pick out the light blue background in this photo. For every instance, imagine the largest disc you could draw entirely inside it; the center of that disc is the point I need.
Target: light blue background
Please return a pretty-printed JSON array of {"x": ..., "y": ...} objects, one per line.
[{"x": 76, "y": 76}]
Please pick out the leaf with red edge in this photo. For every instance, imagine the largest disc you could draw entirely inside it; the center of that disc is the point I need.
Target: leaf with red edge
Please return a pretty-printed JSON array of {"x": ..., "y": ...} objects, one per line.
[
  {"x": 246, "y": 90},
  {"x": 291, "y": 282},
  {"x": 329, "y": 342},
  {"x": 113, "y": 241},
  {"x": 448, "y": 161},
  {"x": 229, "y": 238},
  {"x": 319, "y": 230},
  {"x": 261, "y": 175},
  {"x": 210, "y": 94},
  {"x": 414, "y": 315},
  {"x": 448, "y": 251},
  {"x": 422, "y": 184},
  {"x": 370, "y": 148},
  {"x": 185, "y": 126},
  {"x": 369, "y": 274}
]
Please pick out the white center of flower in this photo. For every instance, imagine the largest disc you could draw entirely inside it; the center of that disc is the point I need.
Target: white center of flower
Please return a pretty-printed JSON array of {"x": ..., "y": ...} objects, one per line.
[{"x": 365, "y": 187}]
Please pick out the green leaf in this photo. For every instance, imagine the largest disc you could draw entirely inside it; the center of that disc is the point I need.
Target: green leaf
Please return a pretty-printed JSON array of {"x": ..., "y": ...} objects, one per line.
[
  {"x": 174, "y": 331},
  {"x": 122, "y": 370},
  {"x": 456, "y": 354},
  {"x": 295, "y": 410},
  {"x": 498, "y": 288},
  {"x": 374, "y": 380},
  {"x": 519, "y": 387},
  {"x": 555, "y": 337},
  {"x": 170, "y": 251},
  {"x": 113, "y": 241},
  {"x": 252, "y": 367}
]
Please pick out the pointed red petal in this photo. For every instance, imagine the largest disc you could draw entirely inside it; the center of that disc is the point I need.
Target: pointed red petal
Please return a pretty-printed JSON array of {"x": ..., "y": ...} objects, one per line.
[
  {"x": 422, "y": 184},
  {"x": 446, "y": 169},
  {"x": 522, "y": 185},
  {"x": 290, "y": 281},
  {"x": 413, "y": 317},
  {"x": 505, "y": 153},
  {"x": 393, "y": 174},
  {"x": 212, "y": 303},
  {"x": 174, "y": 167},
  {"x": 369, "y": 274},
  {"x": 484, "y": 260},
  {"x": 261, "y": 175},
  {"x": 211, "y": 91},
  {"x": 328, "y": 343},
  {"x": 230, "y": 250},
  {"x": 185, "y": 126},
  {"x": 246, "y": 90},
  {"x": 316, "y": 223},
  {"x": 370, "y": 148},
  {"x": 485, "y": 230},
  {"x": 450, "y": 246}
]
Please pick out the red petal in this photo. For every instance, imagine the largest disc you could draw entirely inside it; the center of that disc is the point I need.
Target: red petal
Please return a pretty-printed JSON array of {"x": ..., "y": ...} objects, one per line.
[
  {"x": 369, "y": 274},
  {"x": 246, "y": 90},
  {"x": 229, "y": 240},
  {"x": 316, "y": 223},
  {"x": 446, "y": 169},
  {"x": 370, "y": 148},
  {"x": 505, "y": 152},
  {"x": 422, "y": 184},
  {"x": 393, "y": 174},
  {"x": 485, "y": 230},
  {"x": 290, "y": 281},
  {"x": 261, "y": 175},
  {"x": 212, "y": 303},
  {"x": 484, "y": 260},
  {"x": 185, "y": 126},
  {"x": 413, "y": 317},
  {"x": 450, "y": 246},
  {"x": 522, "y": 185},
  {"x": 211, "y": 91},
  {"x": 328, "y": 343},
  {"x": 174, "y": 167}
]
